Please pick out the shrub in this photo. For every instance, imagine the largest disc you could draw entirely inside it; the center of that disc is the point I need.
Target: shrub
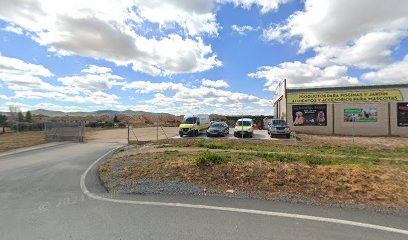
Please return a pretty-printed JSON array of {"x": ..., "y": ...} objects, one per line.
[
  {"x": 213, "y": 145},
  {"x": 109, "y": 125},
  {"x": 210, "y": 158}
]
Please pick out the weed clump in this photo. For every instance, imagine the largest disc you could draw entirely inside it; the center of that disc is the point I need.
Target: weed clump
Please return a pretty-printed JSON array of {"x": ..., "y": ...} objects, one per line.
[
  {"x": 211, "y": 158},
  {"x": 213, "y": 145}
]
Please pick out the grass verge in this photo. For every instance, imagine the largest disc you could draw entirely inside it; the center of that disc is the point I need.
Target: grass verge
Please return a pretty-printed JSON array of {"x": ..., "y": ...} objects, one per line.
[
  {"x": 289, "y": 147},
  {"x": 10, "y": 141}
]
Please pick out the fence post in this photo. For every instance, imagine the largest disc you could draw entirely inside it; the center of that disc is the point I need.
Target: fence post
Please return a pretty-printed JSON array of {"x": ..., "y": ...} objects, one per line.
[{"x": 128, "y": 137}]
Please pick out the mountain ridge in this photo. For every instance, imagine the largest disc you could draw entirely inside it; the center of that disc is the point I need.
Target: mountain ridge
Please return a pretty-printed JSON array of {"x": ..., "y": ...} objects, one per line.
[{"x": 52, "y": 113}]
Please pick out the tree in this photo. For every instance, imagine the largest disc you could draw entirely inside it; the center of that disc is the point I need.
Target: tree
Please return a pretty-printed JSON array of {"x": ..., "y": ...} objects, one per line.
[
  {"x": 3, "y": 120},
  {"x": 115, "y": 119},
  {"x": 28, "y": 117},
  {"x": 20, "y": 116}
]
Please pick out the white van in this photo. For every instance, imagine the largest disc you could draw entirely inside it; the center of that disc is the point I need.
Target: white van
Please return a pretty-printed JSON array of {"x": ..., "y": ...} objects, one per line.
[
  {"x": 244, "y": 128},
  {"x": 194, "y": 125}
]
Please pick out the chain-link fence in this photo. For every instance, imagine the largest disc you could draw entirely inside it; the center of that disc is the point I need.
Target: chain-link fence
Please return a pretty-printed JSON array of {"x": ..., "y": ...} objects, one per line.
[
  {"x": 153, "y": 133},
  {"x": 64, "y": 131}
]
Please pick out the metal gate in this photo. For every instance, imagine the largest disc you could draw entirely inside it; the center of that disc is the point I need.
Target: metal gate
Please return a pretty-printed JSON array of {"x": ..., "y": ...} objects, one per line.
[
  {"x": 146, "y": 134},
  {"x": 64, "y": 131}
]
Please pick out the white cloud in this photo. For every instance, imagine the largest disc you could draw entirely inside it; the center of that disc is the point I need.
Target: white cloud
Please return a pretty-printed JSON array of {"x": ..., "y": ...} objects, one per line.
[
  {"x": 369, "y": 51},
  {"x": 55, "y": 107},
  {"x": 360, "y": 33},
  {"x": 4, "y": 97},
  {"x": 106, "y": 30},
  {"x": 196, "y": 98},
  {"x": 303, "y": 75},
  {"x": 96, "y": 69},
  {"x": 17, "y": 74},
  {"x": 13, "y": 29},
  {"x": 98, "y": 78},
  {"x": 329, "y": 22},
  {"x": 137, "y": 107},
  {"x": 195, "y": 17},
  {"x": 242, "y": 30},
  {"x": 214, "y": 83},
  {"x": 394, "y": 73},
  {"x": 148, "y": 87},
  {"x": 88, "y": 97},
  {"x": 265, "y": 5}
]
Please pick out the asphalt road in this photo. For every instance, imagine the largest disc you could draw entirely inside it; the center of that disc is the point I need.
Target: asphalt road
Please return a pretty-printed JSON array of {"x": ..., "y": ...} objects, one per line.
[{"x": 41, "y": 198}]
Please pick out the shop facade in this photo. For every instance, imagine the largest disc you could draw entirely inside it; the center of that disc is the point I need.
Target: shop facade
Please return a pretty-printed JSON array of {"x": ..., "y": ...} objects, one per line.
[{"x": 370, "y": 110}]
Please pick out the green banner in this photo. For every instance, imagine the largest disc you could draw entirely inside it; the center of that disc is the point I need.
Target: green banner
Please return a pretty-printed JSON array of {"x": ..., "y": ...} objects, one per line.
[{"x": 360, "y": 115}]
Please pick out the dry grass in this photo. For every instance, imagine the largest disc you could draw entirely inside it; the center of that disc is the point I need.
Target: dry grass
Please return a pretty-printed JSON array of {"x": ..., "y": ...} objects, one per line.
[
  {"x": 372, "y": 143},
  {"x": 10, "y": 141},
  {"x": 385, "y": 186},
  {"x": 324, "y": 169}
]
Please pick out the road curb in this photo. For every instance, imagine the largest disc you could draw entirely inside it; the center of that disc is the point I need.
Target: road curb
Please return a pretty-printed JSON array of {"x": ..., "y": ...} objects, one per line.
[{"x": 32, "y": 148}]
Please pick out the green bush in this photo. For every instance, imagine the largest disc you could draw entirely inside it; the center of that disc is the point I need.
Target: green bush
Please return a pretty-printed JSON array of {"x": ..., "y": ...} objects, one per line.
[{"x": 211, "y": 158}]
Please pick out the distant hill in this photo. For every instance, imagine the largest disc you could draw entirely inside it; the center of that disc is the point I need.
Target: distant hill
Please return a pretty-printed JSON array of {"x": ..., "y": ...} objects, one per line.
[{"x": 51, "y": 113}]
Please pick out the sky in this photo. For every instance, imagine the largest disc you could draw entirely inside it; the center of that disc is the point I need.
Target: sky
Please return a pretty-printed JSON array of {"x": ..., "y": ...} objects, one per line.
[{"x": 193, "y": 56}]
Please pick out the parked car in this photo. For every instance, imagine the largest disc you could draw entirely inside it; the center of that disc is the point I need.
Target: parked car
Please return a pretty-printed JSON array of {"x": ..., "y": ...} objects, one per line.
[
  {"x": 218, "y": 129},
  {"x": 194, "y": 125},
  {"x": 278, "y": 127},
  {"x": 244, "y": 128}
]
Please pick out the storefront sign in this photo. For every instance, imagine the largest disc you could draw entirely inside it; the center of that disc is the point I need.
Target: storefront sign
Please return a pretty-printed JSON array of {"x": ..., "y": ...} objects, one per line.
[
  {"x": 310, "y": 115},
  {"x": 360, "y": 115},
  {"x": 402, "y": 114},
  {"x": 344, "y": 97}
]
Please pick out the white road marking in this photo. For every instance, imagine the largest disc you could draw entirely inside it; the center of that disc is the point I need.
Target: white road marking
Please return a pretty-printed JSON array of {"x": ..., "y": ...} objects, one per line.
[{"x": 230, "y": 209}]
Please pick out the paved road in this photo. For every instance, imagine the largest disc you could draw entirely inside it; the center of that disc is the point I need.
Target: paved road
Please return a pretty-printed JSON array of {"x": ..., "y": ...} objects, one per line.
[{"x": 41, "y": 198}]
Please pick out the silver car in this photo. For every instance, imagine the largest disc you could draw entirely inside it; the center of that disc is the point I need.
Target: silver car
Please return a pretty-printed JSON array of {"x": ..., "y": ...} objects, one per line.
[{"x": 278, "y": 127}]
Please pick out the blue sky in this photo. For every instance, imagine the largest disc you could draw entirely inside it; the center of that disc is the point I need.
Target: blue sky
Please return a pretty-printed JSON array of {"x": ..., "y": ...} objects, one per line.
[{"x": 185, "y": 57}]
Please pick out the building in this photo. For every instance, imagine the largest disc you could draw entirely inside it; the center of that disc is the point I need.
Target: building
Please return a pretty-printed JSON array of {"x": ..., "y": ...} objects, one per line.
[{"x": 370, "y": 110}]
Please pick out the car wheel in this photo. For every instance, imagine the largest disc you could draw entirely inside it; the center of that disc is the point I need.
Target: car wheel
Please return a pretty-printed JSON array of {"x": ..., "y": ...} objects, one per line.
[
  {"x": 271, "y": 135},
  {"x": 287, "y": 135},
  {"x": 181, "y": 135}
]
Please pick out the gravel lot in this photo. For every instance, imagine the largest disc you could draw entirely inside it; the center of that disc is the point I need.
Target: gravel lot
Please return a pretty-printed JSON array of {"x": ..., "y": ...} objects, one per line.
[{"x": 150, "y": 134}]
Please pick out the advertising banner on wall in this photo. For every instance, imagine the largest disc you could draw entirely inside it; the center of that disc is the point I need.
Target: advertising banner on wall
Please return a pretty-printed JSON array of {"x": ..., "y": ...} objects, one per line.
[
  {"x": 402, "y": 114},
  {"x": 360, "y": 115},
  {"x": 344, "y": 97},
  {"x": 310, "y": 115}
]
